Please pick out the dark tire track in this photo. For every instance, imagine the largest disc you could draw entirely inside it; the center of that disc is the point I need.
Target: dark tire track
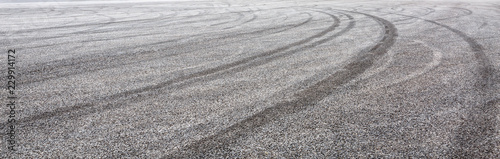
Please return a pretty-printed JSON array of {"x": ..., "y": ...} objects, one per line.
[
  {"x": 96, "y": 105},
  {"x": 57, "y": 69},
  {"x": 96, "y": 24},
  {"x": 218, "y": 144},
  {"x": 486, "y": 69},
  {"x": 469, "y": 131},
  {"x": 260, "y": 79}
]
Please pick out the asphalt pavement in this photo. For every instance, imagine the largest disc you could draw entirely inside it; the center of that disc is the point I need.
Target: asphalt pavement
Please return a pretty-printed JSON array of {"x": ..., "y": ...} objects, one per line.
[{"x": 250, "y": 79}]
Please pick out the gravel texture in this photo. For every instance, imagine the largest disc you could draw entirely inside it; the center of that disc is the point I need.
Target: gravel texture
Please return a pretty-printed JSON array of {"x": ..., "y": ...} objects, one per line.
[{"x": 259, "y": 79}]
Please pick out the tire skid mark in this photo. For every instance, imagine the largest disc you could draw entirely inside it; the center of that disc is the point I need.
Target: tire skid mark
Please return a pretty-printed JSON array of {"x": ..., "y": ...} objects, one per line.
[
  {"x": 62, "y": 13},
  {"x": 245, "y": 22},
  {"x": 85, "y": 27},
  {"x": 137, "y": 20},
  {"x": 176, "y": 22},
  {"x": 436, "y": 61},
  {"x": 98, "y": 24},
  {"x": 129, "y": 27},
  {"x": 399, "y": 9},
  {"x": 487, "y": 80},
  {"x": 486, "y": 69},
  {"x": 96, "y": 40},
  {"x": 93, "y": 106},
  {"x": 467, "y": 13},
  {"x": 111, "y": 20},
  {"x": 98, "y": 61},
  {"x": 271, "y": 58},
  {"x": 229, "y": 35},
  {"x": 240, "y": 16},
  {"x": 160, "y": 18},
  {"x": 303, "y": 99},
  {"x": 429, "y": 11},
  {"x": 87, "y": 32},
  {"x": 149, "y": 12},
  {"x": 204, "y": 20},
  {"x": 96, "y": 31}
]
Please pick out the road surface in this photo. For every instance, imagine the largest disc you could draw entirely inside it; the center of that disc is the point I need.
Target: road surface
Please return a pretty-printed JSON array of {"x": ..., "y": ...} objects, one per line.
[{"x": 259, "y": 79}]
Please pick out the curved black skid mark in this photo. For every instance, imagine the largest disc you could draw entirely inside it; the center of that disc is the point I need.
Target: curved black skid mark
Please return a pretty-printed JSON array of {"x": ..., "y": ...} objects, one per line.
[
  {"x": 75, "y": 62},
  {"x": 486, "y": 69},
  {"x": 218, "y": 143},
  {"x": 95, "y": 63},
  {"x": 93, "y": 106},
  {"x": 487, "y": 79},
  {"x": 98, "y": 24}
]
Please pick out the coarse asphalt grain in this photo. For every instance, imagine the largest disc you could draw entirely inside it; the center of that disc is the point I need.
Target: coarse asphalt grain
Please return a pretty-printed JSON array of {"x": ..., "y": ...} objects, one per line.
[{"x": 259, "y": 79}]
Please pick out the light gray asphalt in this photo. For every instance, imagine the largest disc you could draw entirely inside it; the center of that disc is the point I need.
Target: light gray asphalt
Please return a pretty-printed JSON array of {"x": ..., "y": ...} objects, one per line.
[{"x": 260, "y": 79}]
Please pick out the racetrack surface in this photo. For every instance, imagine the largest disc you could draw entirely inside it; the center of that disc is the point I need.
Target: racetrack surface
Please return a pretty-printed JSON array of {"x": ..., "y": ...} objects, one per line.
[{"x": 260, "y": 79}]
